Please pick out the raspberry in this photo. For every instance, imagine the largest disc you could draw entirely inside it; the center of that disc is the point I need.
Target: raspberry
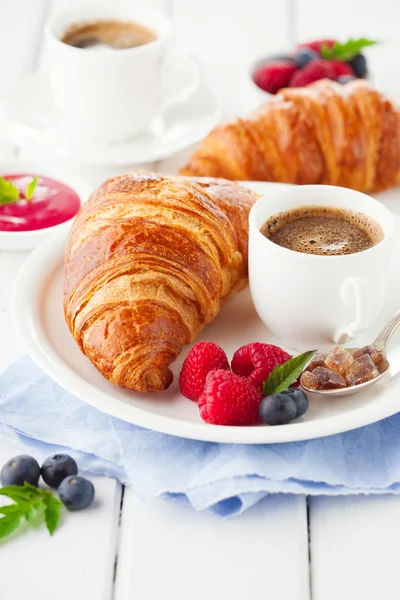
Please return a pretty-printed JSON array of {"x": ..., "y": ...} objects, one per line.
[
  {"x": 202, "y": 358},
  {"x": 316, "y": 45},
  {"x": 228, "y": 399},
  {"x": 341, "y": 68},
  {"x": 318, "y": 69},
  {"x": 274, "y": 75},
  {"x": 256, "y": 361}
]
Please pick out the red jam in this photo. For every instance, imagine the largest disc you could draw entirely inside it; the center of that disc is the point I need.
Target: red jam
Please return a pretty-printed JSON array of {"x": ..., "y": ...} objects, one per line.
[{"x": 52, "y": 203}]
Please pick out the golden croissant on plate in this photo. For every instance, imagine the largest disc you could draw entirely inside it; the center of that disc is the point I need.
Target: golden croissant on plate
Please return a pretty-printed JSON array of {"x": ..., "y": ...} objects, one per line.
[
  {"x": 346, "y": 135},
  {"x": 149, "y": 262}
]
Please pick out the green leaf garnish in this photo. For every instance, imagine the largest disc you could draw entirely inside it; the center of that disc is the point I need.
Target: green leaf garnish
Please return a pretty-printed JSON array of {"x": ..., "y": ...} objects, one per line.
[
  {"x": 52, "y": 513},
  {"x": 28, "y": 501},
  {"x": 284, "y": 375},
  {"x": 9, "y": 193},
  {"x": 346, "y": 51},
  {"x": 31, "y": 188}
]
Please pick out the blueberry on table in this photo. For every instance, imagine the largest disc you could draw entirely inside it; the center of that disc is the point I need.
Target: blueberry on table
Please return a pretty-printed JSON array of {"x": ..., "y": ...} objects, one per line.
[
  {"x": 359, "y": 65},
  {"x": 76, "y": 492},
  {"x": 304, "y": 56},
  {"x": 300, "y": 399},
  {"x": 20, "y": 469},
  {"x": 56, "y": 468},
  {"x": 277, "y": 409},
  {"x": 345, "y": 79}
]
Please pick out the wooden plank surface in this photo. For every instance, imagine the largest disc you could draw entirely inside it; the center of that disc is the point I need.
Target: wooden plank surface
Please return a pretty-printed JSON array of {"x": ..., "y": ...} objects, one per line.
[
  {"x": 355, "y": 545},
  {"x": 77, "y": 562},
  {"x": 170, "y": 551}
]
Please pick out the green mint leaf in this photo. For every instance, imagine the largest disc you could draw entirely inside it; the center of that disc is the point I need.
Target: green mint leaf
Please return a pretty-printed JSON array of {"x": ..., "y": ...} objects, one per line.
[
  {"x": 9, "y": 193},
  {"x": 33, "y": 491},
  {"x": 29, "y": 514},
  {"x": 10, "y": 508},
  {"x": 347, "y": 50},
  {"x": 18, "y": 494},
  {"x": 9, "y": 523},
  {"x": 21, "y": 493},
  {"x": 284, "y": 375},
  {"x": 52, "y": 513},
  {"x": 28, "y": 501},
  {"x": 31, "y": 188}
]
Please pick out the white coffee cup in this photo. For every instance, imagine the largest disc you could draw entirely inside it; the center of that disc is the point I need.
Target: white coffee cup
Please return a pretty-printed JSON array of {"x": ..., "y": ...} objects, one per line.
[
  {"x": 311, "y": 301},
  {"x": 109, "y": 95}
]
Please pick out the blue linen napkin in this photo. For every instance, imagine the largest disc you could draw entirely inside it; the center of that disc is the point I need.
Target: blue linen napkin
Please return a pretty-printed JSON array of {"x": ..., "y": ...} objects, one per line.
[{"x": 225, "y": 479}]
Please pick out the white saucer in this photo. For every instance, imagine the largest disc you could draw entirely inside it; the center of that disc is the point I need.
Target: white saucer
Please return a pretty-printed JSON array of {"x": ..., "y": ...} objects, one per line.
[
  {"x": 31, "y": 121},
  {"x": 39, "y": 319}
]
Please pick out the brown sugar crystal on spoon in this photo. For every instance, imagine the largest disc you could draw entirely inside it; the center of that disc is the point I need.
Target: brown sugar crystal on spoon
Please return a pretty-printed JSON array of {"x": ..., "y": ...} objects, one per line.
[
  {"x": 339, "y": 360},
  {"x": 361, "y": 370}
]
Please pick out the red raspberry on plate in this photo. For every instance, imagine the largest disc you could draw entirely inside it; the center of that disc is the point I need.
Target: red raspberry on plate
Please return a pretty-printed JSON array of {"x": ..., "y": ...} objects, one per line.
[
  {"x": 228, "y": 399},
  {"x": 275, "y": 75},
  {"x": 317, "y": 69},
  {"x": 202, "y": 358},
  {"x": 316, "y": 45},
  {"x": 341, "y": 68},
  {"x": 256, "y": 361}
]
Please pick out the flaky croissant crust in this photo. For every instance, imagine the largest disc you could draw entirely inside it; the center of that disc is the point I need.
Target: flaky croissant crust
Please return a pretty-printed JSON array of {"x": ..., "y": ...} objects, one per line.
[
  {"x": 346, "y": 135},
  {"x": 149, "y": 262}
]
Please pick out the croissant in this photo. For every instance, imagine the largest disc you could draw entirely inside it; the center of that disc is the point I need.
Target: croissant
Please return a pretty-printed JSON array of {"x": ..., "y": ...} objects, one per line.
[
  {"x": 149, "y": 262},
  {"x": 346, "y": 135}
]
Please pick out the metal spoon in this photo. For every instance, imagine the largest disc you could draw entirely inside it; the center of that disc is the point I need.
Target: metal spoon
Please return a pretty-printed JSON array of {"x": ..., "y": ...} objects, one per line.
[{"x": 380, "y": 345}]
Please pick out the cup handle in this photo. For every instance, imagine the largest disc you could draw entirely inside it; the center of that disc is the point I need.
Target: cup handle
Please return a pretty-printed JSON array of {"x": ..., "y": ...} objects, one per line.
[
  {"x": 353, "y": 292},
  {"x": 176, "y": 67}
]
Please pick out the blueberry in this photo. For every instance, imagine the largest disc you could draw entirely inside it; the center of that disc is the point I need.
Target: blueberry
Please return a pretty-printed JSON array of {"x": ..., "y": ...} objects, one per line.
[
  {"x": 300, "y": 399},
  {"x": 277, "y": 57},
  {"x": 304, "y": 56},
  {"x": 20, "y": 469},
  {"x": 345, "y": 79},
  {"x": 359, "y": 65},
  {"x": 277, "y": 409},
  {"x": 263, "y": 62},
  {"x": 76, "y": 492},
  {"x": 56, "y": 468}
]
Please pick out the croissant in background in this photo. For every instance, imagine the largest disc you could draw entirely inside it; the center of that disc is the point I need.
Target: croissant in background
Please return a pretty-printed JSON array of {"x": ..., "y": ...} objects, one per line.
[
  {"x": 346, "y": 135},
  {"x": 149, "y": 262}
]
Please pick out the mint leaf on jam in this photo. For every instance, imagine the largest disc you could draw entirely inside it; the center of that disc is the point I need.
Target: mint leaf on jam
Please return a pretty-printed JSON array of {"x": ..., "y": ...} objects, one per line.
[
  {"x": 9, "y": 193},
  {"x": 284, "y": 375},
  {"x": 346, "y": 51},
  {"x": 31, "y": 188},
  {"x": 29, "y": 501}
]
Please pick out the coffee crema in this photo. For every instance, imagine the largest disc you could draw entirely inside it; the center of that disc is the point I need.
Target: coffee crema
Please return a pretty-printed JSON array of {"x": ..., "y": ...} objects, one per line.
[
  {"x": 108, "y": 33},
  {"x": 323, "y": 230}
]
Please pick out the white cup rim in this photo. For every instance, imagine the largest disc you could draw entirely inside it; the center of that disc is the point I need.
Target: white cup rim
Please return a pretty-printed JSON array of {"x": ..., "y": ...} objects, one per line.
[
  {"x": 152, "y": 19},
  {"x": 296, "y": 192}
]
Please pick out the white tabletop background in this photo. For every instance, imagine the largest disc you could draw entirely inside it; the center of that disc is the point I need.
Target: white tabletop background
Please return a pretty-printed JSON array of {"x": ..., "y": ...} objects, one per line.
[{"x": 288, "y": 547}]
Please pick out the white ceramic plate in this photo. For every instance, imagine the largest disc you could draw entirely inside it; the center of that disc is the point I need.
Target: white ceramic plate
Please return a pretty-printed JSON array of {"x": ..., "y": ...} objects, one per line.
[
  {"x": 38, "y": 316},
  {"x": 31, "y": 121}
]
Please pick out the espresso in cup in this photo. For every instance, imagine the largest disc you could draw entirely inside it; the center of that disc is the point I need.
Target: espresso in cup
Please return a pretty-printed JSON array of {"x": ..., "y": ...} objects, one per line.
[
  {"x": 116, "y": 93},
  {"x": 323, "y": 230},
  {"x": 109, "y": 33}
]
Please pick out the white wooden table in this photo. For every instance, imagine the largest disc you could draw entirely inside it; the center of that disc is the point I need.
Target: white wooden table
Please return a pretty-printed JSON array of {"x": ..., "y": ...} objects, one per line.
[{"x": 287, "y": 548}]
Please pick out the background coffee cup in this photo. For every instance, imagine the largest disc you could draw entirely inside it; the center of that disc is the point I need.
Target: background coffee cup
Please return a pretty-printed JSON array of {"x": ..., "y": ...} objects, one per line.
[
  {"x": 109, "y": 95},
  {"x": 311, "y": 301}
]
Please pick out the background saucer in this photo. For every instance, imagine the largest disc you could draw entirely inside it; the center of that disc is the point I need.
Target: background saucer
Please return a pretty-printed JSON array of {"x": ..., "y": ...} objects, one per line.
[{"x": 30, "y": 120}]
